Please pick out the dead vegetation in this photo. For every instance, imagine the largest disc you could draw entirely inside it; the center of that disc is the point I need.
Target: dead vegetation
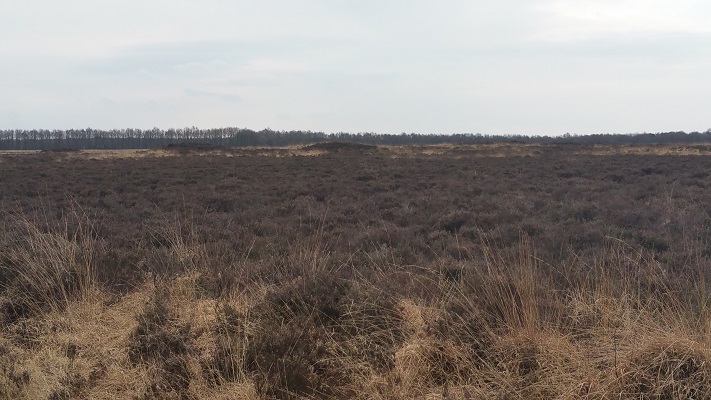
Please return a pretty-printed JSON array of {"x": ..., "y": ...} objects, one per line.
[{"x": 355, "y": 275}]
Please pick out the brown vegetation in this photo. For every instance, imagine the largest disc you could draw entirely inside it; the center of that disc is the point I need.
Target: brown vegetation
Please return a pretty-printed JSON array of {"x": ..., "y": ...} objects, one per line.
[{"x": 449, "y": 272}]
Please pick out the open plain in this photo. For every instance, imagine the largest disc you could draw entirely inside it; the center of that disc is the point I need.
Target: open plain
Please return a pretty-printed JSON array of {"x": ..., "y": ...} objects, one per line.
[{"x": 502, "y": 271}]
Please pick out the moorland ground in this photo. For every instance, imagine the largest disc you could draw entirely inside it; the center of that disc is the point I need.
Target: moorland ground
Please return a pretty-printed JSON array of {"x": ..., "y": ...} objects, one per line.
[{"x": 504, "y": 271}]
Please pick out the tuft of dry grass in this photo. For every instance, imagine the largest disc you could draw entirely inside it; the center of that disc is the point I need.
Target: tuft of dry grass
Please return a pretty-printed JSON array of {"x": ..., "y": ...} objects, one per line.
[{"x": 45, "y": 267}]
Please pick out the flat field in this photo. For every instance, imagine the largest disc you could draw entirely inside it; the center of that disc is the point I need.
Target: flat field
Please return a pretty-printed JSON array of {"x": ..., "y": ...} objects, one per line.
[{"x": 503, "y": 271}]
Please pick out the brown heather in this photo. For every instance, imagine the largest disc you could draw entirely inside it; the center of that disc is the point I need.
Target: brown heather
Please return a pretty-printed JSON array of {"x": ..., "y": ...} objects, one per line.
[{"x": 338, "y": 272}]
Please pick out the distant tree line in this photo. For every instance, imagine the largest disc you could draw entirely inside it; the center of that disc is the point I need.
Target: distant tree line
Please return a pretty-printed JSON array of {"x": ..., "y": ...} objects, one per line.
[{"x": 42, "y": 139}]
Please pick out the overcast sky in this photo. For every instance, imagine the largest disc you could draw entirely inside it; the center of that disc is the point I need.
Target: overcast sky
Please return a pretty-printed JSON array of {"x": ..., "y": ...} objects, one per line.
[{"x": 387, "y": 66}]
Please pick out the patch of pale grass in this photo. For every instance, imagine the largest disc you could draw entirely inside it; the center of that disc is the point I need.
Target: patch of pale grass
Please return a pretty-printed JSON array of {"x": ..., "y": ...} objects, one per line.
[{"x": 82, "y": 351}]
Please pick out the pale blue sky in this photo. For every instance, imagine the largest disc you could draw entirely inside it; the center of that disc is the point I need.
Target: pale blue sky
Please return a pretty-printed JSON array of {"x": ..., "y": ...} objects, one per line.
[{"x": 387, "y": 66}]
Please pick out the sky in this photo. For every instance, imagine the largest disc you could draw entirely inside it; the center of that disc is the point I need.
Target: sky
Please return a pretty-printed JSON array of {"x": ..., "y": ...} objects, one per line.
[{"x": 533, "y": 67}]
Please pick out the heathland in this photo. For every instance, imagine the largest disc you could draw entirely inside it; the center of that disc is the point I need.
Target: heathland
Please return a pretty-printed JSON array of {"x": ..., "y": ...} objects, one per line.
[{"x": 493, "y": 271}]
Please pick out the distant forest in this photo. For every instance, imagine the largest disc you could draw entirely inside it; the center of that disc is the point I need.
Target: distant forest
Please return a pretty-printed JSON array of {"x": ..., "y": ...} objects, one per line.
[{"x": 153, "y": 138}]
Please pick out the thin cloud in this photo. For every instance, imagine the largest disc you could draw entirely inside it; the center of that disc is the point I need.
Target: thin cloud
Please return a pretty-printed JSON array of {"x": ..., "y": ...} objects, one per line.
[
  {"x": 595, "y": 19},
  {"x": 229, "y": 97}
]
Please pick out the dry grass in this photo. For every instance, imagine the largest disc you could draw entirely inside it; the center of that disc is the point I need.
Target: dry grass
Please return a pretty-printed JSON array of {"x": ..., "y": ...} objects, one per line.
[
  {"x": 45, "y": 268},
  {"x": 305, "y": 319},
  {"x": 504, "y": 338},
  {"x": 457, "y": 150}
]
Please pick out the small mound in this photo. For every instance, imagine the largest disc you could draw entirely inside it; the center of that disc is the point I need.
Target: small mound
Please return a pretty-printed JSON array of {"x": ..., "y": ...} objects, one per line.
[
  {"x": 187, "y": 147},
  {"x": 340, "y": 146}
]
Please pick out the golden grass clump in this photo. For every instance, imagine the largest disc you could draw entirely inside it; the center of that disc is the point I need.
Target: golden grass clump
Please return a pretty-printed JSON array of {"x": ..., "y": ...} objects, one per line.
[{"x": 45, "y": 267}]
